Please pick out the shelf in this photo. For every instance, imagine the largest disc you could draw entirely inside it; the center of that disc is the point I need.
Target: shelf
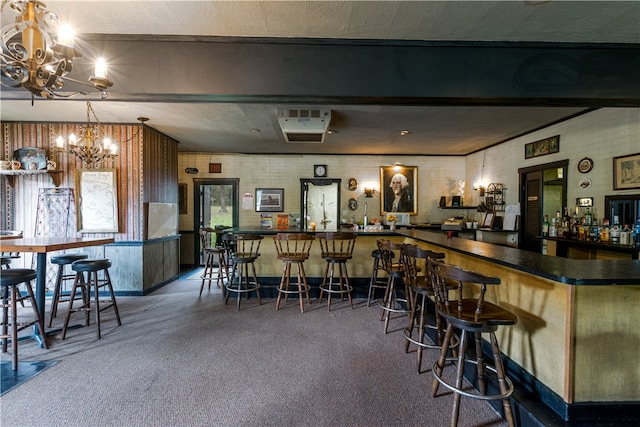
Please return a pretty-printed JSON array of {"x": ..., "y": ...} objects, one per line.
[{"x": 10, "y": 174}]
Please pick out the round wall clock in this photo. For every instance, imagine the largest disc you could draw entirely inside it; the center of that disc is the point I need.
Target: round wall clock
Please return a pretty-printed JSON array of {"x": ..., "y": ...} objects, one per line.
[
  {"x": 320, "y": 171},
  {"x": 585, "y": 165}
]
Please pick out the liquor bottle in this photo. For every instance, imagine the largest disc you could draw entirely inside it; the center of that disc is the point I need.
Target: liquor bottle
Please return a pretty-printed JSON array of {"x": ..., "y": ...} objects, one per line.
[
  {"x": 614, "y": 233},
  {"x": 545, "y": 226},
  {"x": 587, "y": 217},
  {"x": 553, "y": 228},
  {"x": 604, "y": 231},
  {"x": 625, "y": 235},
  {"x": 636, "y": 233}
]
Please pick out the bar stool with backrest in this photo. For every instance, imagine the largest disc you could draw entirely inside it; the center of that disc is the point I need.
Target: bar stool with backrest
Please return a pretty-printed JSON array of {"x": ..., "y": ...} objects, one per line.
[
  {"x": 293, "y": 249},
  {"x": 377, "y": 281},
  {"x": 9, "y": 281},
  {"x": 471, "y": 316},
  {"x": 214, "y": 258},
  {"x": 93, "y": 283},
  {"x": 336, "y": 248},
  {"x": 393, "y": 302},
  {"x": 58, "y": 296},
  {"x": 414, "y": 261},
  {"x": 244, "y": 251}
]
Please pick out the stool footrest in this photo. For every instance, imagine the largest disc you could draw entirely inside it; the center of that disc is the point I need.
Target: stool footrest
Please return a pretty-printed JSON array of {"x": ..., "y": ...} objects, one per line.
[{"x": 462, "y": 392}]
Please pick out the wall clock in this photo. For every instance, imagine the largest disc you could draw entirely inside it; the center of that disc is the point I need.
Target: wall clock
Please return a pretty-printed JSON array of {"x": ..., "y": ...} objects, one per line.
[
  {"x": 320, "y": 171},
  {"x": 585, "y": 165}
]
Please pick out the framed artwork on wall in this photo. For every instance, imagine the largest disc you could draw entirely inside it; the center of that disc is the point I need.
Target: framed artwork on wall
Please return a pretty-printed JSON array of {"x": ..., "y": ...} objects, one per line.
[
  {"x": 269, "y": 199},
  {"x": 97, "y": 200},
  {"x": 626, "y": 172},
  {"x": 542, "y": 147},
  {"x": 399, "y": 189}
]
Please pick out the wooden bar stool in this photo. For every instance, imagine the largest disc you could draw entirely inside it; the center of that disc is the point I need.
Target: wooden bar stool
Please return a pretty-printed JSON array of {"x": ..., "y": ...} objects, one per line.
[
  {"x": 293, "y": 248},
  {"x": 91, "y": 267},
  {"x": 377, "y": 281},
  {"x": 244, "y": 251},
  {"x": 214, "y": 258},
  {"x": 392, "y": 302},
  {"x": 9, "y": 281},
  {"x": 336, "y": 248},
  {"x": 471, "y": 316},
  {"x": 58, "y": 296},
  {"x": 414, "y": 261}
]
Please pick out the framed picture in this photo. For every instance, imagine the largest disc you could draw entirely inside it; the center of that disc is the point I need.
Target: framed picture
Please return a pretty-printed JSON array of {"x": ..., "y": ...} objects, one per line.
[
  {"x": 542, "y": 147},
  {"x": 488, "y": 220},
  {"x": 399, "y": 189},
  {"x": 626, "y": 172},
  {"x": 97, "y": 200},
  {"x": 269, "y": 199},
  {"x": 182, "y": 198}
]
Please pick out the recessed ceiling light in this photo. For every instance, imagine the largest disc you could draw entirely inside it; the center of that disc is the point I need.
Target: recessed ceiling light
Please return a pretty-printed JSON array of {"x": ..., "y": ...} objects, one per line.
[
  {"x": 331, "y": 131},
  {"x": 255, "y": 130},
  {"x": 404, "y": 132}
]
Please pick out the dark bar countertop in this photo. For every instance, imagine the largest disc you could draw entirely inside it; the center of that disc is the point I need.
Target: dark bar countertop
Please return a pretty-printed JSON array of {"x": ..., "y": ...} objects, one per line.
[{"x": 564, "y": 270}]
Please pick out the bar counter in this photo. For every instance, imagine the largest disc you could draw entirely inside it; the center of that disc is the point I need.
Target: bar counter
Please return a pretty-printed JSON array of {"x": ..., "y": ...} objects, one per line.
[{"x": 577, "y": 339}]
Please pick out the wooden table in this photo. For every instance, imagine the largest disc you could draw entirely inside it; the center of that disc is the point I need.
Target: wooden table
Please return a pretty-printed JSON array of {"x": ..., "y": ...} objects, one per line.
[{"x": 41, "y": 246}]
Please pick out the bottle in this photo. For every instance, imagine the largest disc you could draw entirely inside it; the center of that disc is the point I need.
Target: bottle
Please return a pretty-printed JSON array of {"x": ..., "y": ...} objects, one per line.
[
  {"x": 587, "y": 217},
  {"x": 614, "y": 233},
  {"x": 604, "y": 231},
  {"x": 594, "y": 231},
  {"x": 625, "y": 235},
  {"x": 553, "y": 228},
  {"x": 636, "y": 233},
  {"x": 545, "y": 226}
]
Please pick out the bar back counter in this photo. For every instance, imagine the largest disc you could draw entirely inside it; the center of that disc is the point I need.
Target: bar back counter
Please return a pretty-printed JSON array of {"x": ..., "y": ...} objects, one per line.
[{"x": 577, "y": 340}]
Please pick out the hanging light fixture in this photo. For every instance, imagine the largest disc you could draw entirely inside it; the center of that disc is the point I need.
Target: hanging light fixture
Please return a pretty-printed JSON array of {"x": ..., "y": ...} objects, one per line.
[
  {"x": 88, "y": 147},
  {"x": 35, "y": 58}
]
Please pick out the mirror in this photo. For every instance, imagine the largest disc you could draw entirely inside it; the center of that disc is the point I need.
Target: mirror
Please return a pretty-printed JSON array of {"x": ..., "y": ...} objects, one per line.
[{"x": 320, "y": 203}]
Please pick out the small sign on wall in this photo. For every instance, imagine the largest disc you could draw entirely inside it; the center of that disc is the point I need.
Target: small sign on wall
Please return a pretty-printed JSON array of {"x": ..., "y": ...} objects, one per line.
[{"x": 215, "y": 167}]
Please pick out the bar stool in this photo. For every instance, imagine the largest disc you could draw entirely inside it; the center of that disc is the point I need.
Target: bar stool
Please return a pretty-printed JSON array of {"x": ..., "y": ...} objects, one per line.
[
  {"x": 244, "y": 251},
  {"x": 336, "y": 248},
  {"x": 91, "y": 267},
  {"x": 414, "y": 260},
  {"x": 377, "y": 282},
  {"x": 392, "y": 303},
  {"x": 214, "y": 258},
  {"x": 293, "y": 248},
  {"x": 469, "y": 316},
  {"x": 9, "y": 281},
  {"x": 58, "y": 297}
]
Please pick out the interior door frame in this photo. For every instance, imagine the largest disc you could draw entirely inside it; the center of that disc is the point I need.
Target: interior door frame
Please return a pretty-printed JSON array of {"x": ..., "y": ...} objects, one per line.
[
  {"x": 198, "y": 183},
  {"x": 522, "y": 194},
  {"x": 304, "y": 182}
]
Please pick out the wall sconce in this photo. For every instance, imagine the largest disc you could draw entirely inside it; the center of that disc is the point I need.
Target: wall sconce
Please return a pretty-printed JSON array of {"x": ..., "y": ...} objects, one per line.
[{"x": 368, "y": 192}]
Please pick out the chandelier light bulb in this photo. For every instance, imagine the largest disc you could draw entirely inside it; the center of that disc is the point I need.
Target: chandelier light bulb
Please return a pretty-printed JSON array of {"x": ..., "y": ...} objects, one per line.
[
  {"x": 101, "y": 69},
  {"x": 66, "y": 36}
]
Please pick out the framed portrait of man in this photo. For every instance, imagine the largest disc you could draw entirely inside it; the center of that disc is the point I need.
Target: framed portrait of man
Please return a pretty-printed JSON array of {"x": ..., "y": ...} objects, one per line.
[{"x": 399, "y": 189}]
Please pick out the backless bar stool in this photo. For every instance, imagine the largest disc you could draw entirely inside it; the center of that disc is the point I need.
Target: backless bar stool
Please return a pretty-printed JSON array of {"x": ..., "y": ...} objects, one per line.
[
  {"x": 391, "y": 303},
  {"x": 214, "y": 258},
  {"x": 293, "y": 248},
  {"x": 336, "y": 248},
  {"x": 245, "y": 253},
  {"x": 91, "y": 267},
  {"x": 9, "y": 281},
  {"x": 471, "y": 316},
  {"x": 420, "y": 288},
  {"x": 58, "y": 297},
  {"x": 377, "y": 281}
]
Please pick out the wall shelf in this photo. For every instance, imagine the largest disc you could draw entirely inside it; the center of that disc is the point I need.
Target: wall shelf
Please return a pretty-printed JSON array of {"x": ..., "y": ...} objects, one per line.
[{"x": 10, "y": 174}]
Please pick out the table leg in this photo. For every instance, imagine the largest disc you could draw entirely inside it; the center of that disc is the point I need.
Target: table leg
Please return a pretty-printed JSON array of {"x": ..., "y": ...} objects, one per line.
[{"x": 41, "y": 281}]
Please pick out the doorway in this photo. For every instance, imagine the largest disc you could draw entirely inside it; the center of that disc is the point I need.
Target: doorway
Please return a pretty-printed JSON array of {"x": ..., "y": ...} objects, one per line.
[
  {"x": 543, "y": 191},
  {"x": 216, "y": 204},
  {"x": 320, "y": 203}
]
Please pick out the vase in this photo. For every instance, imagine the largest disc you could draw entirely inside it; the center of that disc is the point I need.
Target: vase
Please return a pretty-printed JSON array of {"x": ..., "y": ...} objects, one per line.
[{"x": 392, "y": 227}]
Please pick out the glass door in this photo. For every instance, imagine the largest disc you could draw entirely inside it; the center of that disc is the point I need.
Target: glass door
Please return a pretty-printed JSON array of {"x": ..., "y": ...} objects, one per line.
[{"x": 216, "y": 206}]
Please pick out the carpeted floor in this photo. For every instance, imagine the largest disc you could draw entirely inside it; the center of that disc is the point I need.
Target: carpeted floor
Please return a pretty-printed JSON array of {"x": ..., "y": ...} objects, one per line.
[{"x": 180, "y": 360}]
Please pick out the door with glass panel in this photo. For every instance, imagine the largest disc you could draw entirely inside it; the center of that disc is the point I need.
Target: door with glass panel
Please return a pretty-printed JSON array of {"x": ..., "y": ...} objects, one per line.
[{"x": 216, "y": 206}]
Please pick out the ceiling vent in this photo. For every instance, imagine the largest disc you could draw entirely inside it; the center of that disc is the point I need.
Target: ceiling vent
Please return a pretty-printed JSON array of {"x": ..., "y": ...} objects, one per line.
[{"x": 304, "y": 126}]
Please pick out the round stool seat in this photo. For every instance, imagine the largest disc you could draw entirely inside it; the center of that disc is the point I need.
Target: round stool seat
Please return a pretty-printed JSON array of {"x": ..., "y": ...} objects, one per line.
[
  {"x": 65, "y": 259},
  {"x": 5, "y": 261},
  {"x": 91, "y": 265},
  {"x": 15, "y": 276}
]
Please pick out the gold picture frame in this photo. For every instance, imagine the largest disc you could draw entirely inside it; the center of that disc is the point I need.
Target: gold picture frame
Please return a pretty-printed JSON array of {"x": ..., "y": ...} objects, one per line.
[
  {"x": 399, "y": 189},
  {"x": 626, "y": 172}
]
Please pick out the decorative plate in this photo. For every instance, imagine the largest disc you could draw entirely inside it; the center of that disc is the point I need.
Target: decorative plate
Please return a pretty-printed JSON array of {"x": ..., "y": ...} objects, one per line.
[
  {"x": 353, "y": 204},
  {"x": 585, "y": 165},
  {"x": 584, "y": 183},
  {"x": 31, "y": 155}
]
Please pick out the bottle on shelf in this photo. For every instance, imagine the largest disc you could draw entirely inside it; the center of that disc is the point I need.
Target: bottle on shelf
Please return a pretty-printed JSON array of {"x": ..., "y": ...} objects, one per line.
[
  {"x": 636, "y": 233},
  {"x": 604, "y": 231},
  {"x": 587, "y": 217},
  {"x": 553, "y": 228},
  {"x": 545, "y": 226},
  {"x": 614, "y": 232},
  {"x": 625, "y": 235},
  {"x": 594, "y": 231}
]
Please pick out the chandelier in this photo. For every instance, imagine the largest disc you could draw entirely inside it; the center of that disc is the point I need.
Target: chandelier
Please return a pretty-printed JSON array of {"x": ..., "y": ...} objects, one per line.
[
  {"x": 87, "y": 147},
  {"x": 35, "y": 58}
]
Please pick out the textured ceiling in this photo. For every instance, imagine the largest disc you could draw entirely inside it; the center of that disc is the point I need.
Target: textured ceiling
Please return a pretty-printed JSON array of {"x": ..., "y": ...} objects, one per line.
[{"x": 363, "y": 127}]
